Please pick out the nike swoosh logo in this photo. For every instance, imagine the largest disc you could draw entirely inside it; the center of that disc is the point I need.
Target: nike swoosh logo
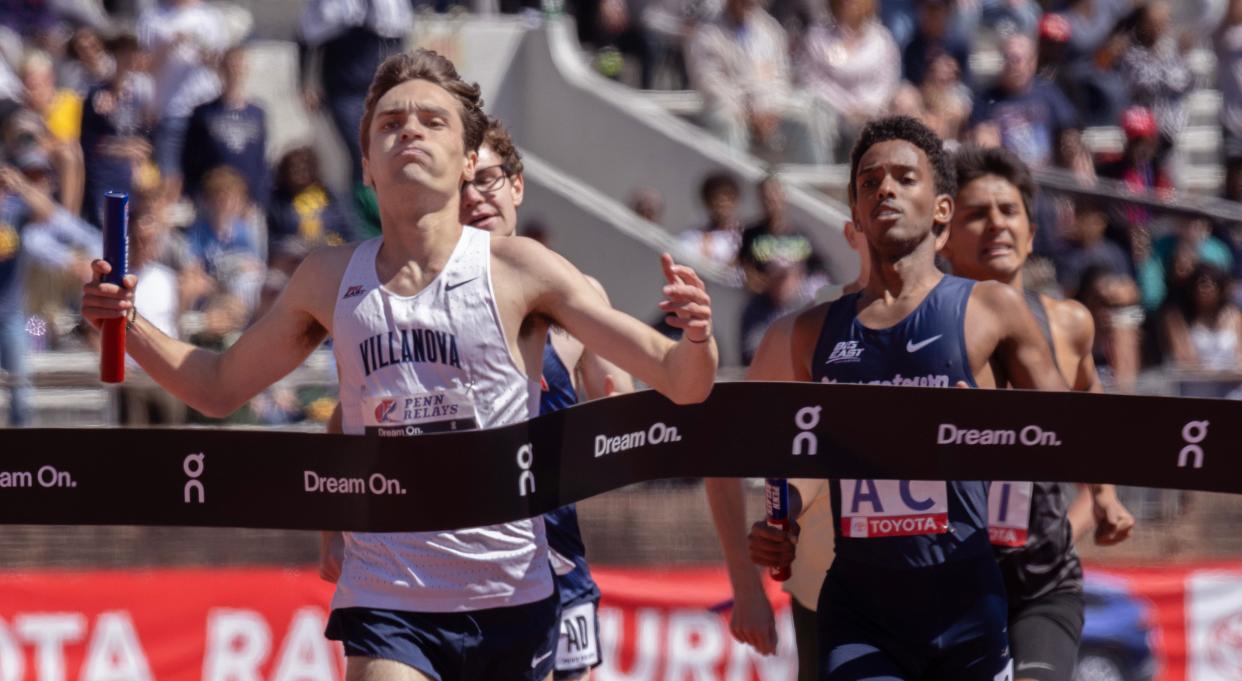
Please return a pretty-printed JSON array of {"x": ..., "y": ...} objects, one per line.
[
  {"x": 535, "y": 662},
  {"x": 450, "y": 287},
  {"x": 915, "y": 347}
]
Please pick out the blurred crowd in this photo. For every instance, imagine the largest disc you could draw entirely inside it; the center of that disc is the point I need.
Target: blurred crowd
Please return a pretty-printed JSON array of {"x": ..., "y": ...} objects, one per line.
[
  {"x": 149, "y": 97},
  {"x": 1163, "y": 292},
  {"x": 792, "y": 82}
]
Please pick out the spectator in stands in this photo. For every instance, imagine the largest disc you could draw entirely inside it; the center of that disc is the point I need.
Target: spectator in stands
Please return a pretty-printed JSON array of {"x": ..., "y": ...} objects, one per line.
[
  {"x": 33, "y": 231},
  {"x": 1094, "y": 83},
  {"x": 668, "y": 25},
  {"x": 773, "y": 239},
  {"x": 228, "y": 131},
  {"x": 223, "y": 240},
  {"x": 50, "y": 289},
  {"x": 1137, "y": 167},
  {"x": 349, "y": 39},
  {"x": 87, "y": 62},
  {"x": 302, "y": 208},
  {"x": 719, "y": 239},
  {"x": 746, "y": 84},
  {"x": 158, "y": 299},
  {"x": 116, "y": 128},
  {"x": 779, "y": 266},
  {"x": 1156, "y": 69},
  {"x": 942, "y": 102},
  {"x": 1092, "y": 24},
  {"x": 1193, "y": 241},
  {"x": 933, "y": 39},
  {"x": 1089, "y": 249},
  {"x": 852, "y": 65},
  {"x": 185, "y": 39},
  {"x": 24, "y": 131},
  {"x": 1053, "y": 36},
  {"x": 1200, "y": 326},
  {"x": 612, "y": 30},
  {"x": 1029, "y": 115},
  {"x": 784, "y": 285},
  {"x": 61, "y": 108},
  {"x": 1113, "y": 300},
  {"x": 1228, "y": 40},
  {"x": 648, "y": 203}
]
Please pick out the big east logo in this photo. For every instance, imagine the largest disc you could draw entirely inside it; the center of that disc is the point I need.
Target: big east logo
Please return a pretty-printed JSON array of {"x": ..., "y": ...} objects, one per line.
[{"x": 384, "y": 410}]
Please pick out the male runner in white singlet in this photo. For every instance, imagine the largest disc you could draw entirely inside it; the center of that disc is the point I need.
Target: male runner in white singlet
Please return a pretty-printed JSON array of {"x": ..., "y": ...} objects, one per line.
[
  {"x": 436, "y": 326},
  {"x": 490, "y": 202}
]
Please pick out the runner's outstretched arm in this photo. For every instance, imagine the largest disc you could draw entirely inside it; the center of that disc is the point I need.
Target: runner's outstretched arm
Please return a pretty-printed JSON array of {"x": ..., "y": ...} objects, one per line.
[
  {"x": 601, "y": 378},
  {"x": 217, "y": 383},
  {"x": 683, "y": 371}
]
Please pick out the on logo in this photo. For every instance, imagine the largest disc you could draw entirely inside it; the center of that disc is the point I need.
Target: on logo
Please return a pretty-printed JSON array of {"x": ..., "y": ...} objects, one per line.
[
  {"x": 1194, "y": 432},
  {"x": 193, "y": 467},
  {"x": 807, "y": 419},
  {"x": 525, "y": 457}
]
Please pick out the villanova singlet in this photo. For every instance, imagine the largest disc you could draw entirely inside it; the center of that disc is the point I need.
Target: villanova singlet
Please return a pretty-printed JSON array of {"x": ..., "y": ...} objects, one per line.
[
  {"x": 433, "y": 362},
  {"x": 568, "y": 552},
  {"x": 1028, "y": 523},
  {"x": 895, "y": 523}
]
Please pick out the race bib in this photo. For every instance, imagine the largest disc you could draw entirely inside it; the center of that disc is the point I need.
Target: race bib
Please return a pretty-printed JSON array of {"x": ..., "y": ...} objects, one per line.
[
  {"x": 577, "y": 647},
  {"x": 1009, "y": 512},
  {"x": 894, "y": 508},
  {"x": 442, "y": 411}
]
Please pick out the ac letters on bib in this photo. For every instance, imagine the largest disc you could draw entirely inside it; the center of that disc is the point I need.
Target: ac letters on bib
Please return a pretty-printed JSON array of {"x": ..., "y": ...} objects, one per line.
[{"x": 893, "y": 508}]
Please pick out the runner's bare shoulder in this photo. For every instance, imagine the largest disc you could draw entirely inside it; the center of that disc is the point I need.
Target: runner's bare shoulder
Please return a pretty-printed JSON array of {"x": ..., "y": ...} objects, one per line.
[
  {"x": 315, "y": 282},
  {"x": 1074, "y": 320},
  {"x": 806, "y": 327},
  {"x": 526, "y": 263}
]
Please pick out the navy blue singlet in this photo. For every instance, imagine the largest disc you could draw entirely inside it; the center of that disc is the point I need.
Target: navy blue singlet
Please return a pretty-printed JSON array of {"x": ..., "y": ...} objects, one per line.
[
  {"x": 913, "y": 592},
  {"x": 564, "y": 537},
  {"x": 927, "y": 348}
]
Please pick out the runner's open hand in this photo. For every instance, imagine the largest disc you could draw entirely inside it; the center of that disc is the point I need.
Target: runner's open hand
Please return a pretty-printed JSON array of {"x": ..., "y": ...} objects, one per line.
[{"x": 686, "y": 302}]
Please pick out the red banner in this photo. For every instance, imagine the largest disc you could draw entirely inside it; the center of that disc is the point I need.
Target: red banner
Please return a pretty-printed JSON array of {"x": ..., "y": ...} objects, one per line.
[
  {"x": 657, "y": 625},
  {"x": 173, "y": 625}
]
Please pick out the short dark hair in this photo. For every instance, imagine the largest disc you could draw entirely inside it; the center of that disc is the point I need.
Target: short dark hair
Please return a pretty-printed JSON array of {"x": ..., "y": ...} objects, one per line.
[
  {"x": 124, "y": 42},
  {"x": 976, "y": 162},
  {"x": 909, "y": 130},
  {"x": 498, "y": 138},
  {"x": 717, "y": 182},
  {"x": 421, "y": 64}
]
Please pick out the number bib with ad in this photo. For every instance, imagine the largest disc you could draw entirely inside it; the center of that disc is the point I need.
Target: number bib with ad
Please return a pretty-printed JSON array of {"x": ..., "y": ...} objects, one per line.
[
  {"x": 442, "y": 411},
  {"x": 1009, "y": 512},
  {"x": 894, "y": 508},
  {"x": 577, "y": 647}
]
